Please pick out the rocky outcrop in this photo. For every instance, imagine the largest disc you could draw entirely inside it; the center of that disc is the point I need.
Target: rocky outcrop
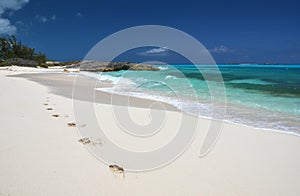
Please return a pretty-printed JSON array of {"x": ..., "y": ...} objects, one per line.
[
  {"x": 100, "y": 66},
  {"x": 19, "y": 62}
]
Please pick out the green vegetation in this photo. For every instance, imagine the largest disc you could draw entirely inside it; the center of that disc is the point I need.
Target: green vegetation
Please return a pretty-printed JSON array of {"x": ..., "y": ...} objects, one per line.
[{"x": 13, "y": 52}]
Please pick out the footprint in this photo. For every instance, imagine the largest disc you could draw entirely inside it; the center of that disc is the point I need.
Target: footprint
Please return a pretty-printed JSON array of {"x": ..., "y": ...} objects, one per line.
[
  {"x": 85, "y": 140},
  {"x": 82, "y": 125},
  {"x": 55, "y": 115},
  {"x": 71, "y": 124},
  {"x": 96, "y": 142},
  {"x": 117, "y": 171},
  {"x": 49, "y": 108},
  {"x": 91, "y": 141},
  {"x": 46, "y": 104}
]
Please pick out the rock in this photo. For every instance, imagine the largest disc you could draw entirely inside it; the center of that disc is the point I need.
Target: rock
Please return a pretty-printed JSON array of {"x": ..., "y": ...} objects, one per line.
[
  {"x": 19, "y": 62},
  {"x": 100, "y": 66}
]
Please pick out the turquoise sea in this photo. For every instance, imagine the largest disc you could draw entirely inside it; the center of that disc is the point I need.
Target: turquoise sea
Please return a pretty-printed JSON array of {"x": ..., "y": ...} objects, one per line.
[{"x": 260, "y": 96}]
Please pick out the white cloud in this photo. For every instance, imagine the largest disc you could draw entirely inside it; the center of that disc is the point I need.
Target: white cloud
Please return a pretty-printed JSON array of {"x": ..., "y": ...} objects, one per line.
[
  {"x": 220, "y": 49},
  {"x": 6, "y": 27},
  {"x": 44, "y": 19},
  {"x": 9, "y": 5},
  {"x": 156, "y": 51},
  {"x": 79, "y": 14},
  {"x": 41, "y": 19}
]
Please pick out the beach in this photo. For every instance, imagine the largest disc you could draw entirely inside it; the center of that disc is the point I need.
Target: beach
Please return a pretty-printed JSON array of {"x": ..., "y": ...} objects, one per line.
[{"x": 41, "y": 155}]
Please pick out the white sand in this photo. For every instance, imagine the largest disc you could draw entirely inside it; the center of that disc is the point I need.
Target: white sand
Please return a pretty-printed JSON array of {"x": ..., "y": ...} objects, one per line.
[{"x": 40, "y": 155}]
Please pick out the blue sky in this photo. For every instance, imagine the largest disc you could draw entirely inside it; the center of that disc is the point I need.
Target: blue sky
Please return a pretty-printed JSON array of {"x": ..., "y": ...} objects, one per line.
[{"x": 233, "y": 31}]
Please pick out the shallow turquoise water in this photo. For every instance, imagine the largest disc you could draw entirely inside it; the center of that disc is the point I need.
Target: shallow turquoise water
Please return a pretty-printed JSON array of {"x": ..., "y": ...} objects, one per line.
[{"x": 261, "y": 96}]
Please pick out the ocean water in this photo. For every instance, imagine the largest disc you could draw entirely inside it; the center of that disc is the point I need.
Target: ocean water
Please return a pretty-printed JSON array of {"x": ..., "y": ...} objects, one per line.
[{"x": 260, "y": 96}]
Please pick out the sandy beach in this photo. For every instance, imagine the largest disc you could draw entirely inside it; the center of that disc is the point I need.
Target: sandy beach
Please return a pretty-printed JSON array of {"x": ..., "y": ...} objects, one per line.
[{"x": 41, "y": 155}]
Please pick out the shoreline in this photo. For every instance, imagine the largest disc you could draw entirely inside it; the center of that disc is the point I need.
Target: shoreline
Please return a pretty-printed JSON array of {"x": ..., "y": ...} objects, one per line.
[
  {"x": 46, "y": 79},
  {"x": 66, "y": 86},
  {"x": 41, "y": 155}
]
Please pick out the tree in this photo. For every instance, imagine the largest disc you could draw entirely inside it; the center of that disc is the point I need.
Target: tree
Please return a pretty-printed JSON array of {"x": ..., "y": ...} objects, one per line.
[
  {"x": 10, "y": 48},
  {"x": 40, "y": 58}
]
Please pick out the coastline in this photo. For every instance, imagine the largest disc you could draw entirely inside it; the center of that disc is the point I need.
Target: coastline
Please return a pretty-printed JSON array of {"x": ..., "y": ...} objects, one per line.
[
  {"x": 46, "y": 151},
  {"x": 256, "y": 101},
  {"x": 88, "y": 79},
  {"x": 65, "y": 89}
]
